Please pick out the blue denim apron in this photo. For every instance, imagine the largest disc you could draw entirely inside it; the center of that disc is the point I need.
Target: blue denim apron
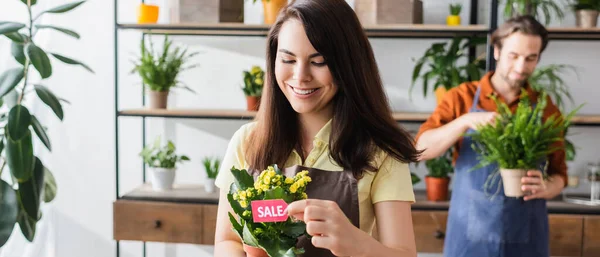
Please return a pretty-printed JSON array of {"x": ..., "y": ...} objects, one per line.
[{"x": 483, "y": 226}]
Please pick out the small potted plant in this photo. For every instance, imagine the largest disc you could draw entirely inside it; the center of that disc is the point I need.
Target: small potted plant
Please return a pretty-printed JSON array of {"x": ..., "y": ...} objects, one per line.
[
  {"x": 258, "y": 237},
  {"x": 445, "y": 71},
  {"x": 586, "y": 12},
  {"x": 147, "y": 13},
  {"x": 162, "y": 161},
  {"x": 253, "y": 86},
  {"x": 159, "y": 71},
  {"x": 454, "y": 18},
  {"x": 519, "y": 142},
  {"x": 438, "y": 179},
  {"x": 271, "y": 9},
  {"x": 514, "y": 8},
  {"x": 211, "y": 166}
]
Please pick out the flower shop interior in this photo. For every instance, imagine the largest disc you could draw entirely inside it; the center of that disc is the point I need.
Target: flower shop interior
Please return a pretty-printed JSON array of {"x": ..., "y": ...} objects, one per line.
[{"x": 100, "y": 119}]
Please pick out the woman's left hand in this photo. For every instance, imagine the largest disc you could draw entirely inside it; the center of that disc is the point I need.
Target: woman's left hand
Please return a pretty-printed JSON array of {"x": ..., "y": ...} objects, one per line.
[{"x": 328, "y": 226}]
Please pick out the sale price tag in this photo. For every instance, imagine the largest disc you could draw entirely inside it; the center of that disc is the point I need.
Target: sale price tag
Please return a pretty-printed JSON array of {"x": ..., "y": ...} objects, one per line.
[{"x": 269, "y": 210}]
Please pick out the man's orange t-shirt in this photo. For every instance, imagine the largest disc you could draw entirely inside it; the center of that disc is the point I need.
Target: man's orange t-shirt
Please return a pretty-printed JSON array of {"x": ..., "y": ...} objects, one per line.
[{"x": 458, "y": 101}]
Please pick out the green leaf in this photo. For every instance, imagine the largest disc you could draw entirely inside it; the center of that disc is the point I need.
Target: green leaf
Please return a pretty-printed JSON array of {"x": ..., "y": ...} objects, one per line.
[
  {"x": 16, "y": 37},
  {"x": 295, "y": 229},
  {"x": 40, "y": 132},
  {"x": 10, "y": 79},
  {"x": 278, "y": 193},
  {"x": 19, "y": 120},
  {"x": 17, "y": 51},
  {"x": 30, "y": 191},
  {"x": 19, "y": 156},
  {"x": 49, "y": 186},
  {"x": 10, "y": 27},
  {"x": 63, "y": 30},
  {"x": 235, "y": 205},
  {"x": 10, "y": 211},
  {"x": 39, "y": 59},
  {"x": 243, "y": 180},
  {"x": 63, "y": 8},
  {"x": 27, "y": 225},
  {"x": 236, "y": 226},
  {"x": 32, "y": 2},
  {"x": 71, "y": 61},
  {"x": 49, "y": 99},
  {"x": 249, "y": 238}
]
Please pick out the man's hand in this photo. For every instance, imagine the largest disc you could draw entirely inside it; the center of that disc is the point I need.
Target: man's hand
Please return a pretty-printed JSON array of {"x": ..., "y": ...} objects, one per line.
[
  {"x": 475, "y": 119},
  {"x": 539, "y": 188}
]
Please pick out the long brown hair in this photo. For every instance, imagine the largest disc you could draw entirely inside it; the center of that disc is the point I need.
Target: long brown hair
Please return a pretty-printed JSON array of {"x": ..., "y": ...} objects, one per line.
[{"x": 362, "y": 119}]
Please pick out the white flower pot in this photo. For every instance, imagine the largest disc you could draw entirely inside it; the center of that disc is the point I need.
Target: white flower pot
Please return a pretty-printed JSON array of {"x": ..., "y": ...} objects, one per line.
[
  {"x": 162, "y": 178},
  {"x": 586, "y": 18},
  {"x": 511, "y": 180},
  {"x": 209, "y": 185}
]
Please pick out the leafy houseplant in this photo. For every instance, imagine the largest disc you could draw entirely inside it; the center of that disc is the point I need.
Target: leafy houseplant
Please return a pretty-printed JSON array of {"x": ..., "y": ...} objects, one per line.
[
  {"x": 211, "y": 166},
  {"x": 162, "y": 160},
  {"x": 159, "y": 71},
  {"x": 438, "y": 179},
  {"x": 274, "y": 238},
  {"x": 532, "y": 7},
  {"x": 271, "y": 9},
  {"x": 519, "y": 142},
  {"x": 454, "y": 18},
  {"x": 31, "y": 182},
  {"x": 444, "y": 69},
  {"x": 586, "y": 12},
  {"x": 253, "y": 86}
]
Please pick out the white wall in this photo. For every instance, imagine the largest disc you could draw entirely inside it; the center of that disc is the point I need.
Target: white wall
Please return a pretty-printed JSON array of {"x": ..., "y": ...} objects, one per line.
[{"x": 79, "y": 221}]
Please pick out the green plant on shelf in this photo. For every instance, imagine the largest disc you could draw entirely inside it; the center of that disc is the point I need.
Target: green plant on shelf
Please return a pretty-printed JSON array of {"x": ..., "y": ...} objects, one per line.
[
  {"x": 585, "y": 5},
  {"x": 160, "y": 70},
  {"x": 253, "y": 81},
  {"x": 535, "y": 8},
  {"x": 211, "y": 166},
  {"x": 440, "y": 167},
  {"x": 455, "y": 9},
  {"x": 162, "y": 156},
  {"x": 31, "y": 183}
]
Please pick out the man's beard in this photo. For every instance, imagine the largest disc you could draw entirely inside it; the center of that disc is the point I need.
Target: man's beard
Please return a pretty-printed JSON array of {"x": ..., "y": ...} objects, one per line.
[{"x": 514, "y": 84}]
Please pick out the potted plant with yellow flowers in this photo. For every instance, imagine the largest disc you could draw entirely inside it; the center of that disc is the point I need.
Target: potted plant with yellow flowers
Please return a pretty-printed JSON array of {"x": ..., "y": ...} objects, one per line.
[
  {"x": 253, "y": 86},
  {"x": 454, "y": 18},
  {"x": 259, "y": 207},
  {"x": 520, "y": 141}
]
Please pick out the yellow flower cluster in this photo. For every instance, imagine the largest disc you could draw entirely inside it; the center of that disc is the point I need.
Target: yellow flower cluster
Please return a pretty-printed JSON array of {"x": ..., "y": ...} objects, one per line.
[
  {"x": 268, "y": 179},
  {"x": 243, "y": 197},
  {"x": 300, "y": 181}
]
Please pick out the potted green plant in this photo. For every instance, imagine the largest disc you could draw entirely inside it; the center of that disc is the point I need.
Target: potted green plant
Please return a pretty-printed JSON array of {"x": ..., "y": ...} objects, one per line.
[
  {"x": 438, "y": 179},
  {"x": 586, "y": 12},
  {"x": 271, "y": 9},
  {"x": 262, "y": 239},
  {"x": 211, "y": 166},
  {"x": 533, "y": 7},
  {"x": 31, "y": 183},
  {"x": 253, "y": 86},
  {"x": 159, "y": 70},
  {"x": 454, "y": 18},
  {"x": 445, "y": 72},
  {"x": 519, "y": 142},
  {"x": 162, "y": 161}
]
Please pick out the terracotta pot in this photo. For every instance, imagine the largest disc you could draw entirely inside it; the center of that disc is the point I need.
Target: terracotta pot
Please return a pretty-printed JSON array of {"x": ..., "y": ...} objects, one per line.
[
  {"x": 511, "y": 180},
  {"x": 252, "y": 103},
  {"x": 147, "y": 13},
  {"x": 439, "y": 93},
  {"x": 437, "y": 188},
  {"x": 158, "y": 99},
  {"x": 587, "y": 18},
  {"x": 271, "y": 9},
  {"x": 252, "y": 251},
  {"x": 453, "y": 20}
]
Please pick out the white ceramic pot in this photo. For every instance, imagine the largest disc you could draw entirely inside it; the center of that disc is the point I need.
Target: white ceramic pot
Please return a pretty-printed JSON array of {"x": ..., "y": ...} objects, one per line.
[
  {"x": 162, "y": 178},
  {"x": 209, "y": 185},
  {"x": 511, "y": 180},
  {"x": 586, "y": 18}
]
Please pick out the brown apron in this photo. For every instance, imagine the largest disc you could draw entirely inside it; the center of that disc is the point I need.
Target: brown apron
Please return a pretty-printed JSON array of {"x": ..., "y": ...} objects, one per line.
[{"x": 337, "y": 186}]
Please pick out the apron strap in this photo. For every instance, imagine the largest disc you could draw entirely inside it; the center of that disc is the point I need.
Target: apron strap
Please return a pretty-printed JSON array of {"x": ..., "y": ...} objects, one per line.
[{"x": 476, "y": 99}]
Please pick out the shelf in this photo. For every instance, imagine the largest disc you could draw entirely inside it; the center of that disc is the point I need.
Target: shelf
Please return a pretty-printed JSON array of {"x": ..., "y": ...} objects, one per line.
[
  {"x": 189, "y": 193},
  {"x": 378, "y": 31},
  {"x": 574, "y": 33}
]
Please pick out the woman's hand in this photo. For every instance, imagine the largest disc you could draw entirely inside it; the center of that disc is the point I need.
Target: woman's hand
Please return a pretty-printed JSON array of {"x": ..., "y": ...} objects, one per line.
[{"x": 328, "y": 226}]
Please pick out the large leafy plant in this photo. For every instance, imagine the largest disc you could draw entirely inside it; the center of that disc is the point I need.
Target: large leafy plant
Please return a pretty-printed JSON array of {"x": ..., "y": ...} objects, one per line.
[
  {"x": 444, "y": 63},
  {"x": 162, "y": 156},
  {"x": 160, "y": 70},
  {"x": 521, "y": 140},
  {"x": 278, "y": 239},
  {"x": 31, "y": 182},
  {"x": 535, "y": 8}
]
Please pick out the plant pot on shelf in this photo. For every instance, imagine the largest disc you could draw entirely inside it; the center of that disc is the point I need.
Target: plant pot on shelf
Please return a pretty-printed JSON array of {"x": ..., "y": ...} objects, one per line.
[
  {"x": 511, "y": 180},
  {"x": 162, "y": 178},
  {"x": 252, "y": 251},
  {"x": 439, "y": 93},
  {"x": 587, "y": 18},
  {"x": 453, "y": 20},
  {"x": 147, "y": 14},
  {"x": 158, "y": 99},
  {"x": 209, "y": 185},
  {"x": 271, "y": 9},
  {"x": 252, "y": 103},
  {"x": 437, "y": 188}
]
